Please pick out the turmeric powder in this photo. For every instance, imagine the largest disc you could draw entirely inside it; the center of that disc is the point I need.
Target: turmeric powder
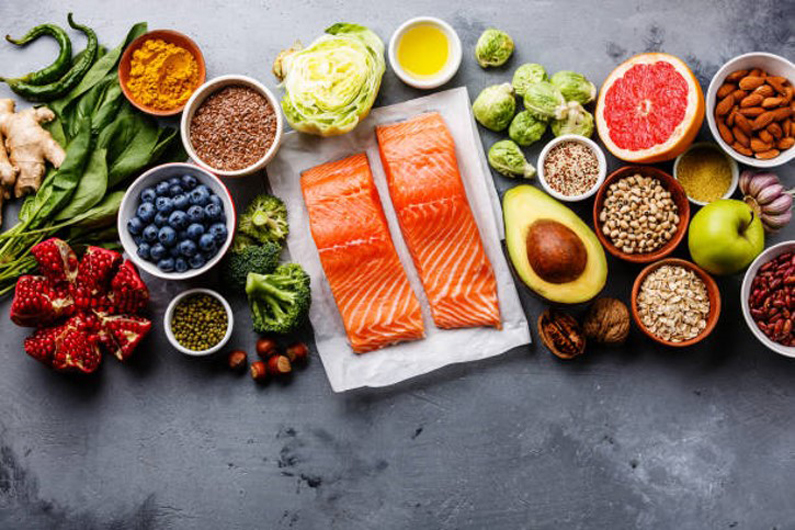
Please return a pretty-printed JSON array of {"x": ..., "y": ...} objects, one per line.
[{"x": 162, "y": 75}]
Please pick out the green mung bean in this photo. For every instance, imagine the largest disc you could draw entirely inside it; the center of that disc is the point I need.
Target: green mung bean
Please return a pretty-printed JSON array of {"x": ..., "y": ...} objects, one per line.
[{"x": 199, "y": 322}]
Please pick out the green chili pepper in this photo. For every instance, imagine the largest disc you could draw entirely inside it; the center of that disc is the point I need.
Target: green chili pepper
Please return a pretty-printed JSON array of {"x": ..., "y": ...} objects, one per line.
[
  {"x": 62, "y": 63},
  {"x": 56, "y": 89}
]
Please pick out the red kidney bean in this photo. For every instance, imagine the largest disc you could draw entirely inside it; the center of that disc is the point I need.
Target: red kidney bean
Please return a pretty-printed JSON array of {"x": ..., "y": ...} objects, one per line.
[{"x": 772, "y": 299}]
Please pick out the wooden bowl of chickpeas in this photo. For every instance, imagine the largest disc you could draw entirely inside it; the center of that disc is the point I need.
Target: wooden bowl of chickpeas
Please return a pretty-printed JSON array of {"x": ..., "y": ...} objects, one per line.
[{"x": 640, "y": 214}]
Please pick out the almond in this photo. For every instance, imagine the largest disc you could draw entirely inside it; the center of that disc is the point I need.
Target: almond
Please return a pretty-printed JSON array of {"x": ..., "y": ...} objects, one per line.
[
  {"x": 758, "y": 146},
  {"x": 752, "y": 112},
  {"x": 725, "y": 133},
  {"x": 785, "y": 143},
  {"x": 766, "y": 136},
  {"x": 736, "y": 76},
  {"x": 765, "y": 90},
  {"x": 740, "y": 136},
  {"x": 753, "y": 100},
  {"x": 786, "y": 128},
  {"x": 781, "y": 113},
  {"x": 755, "y": 72},
  {"x": 771, "y": 103},
  {"x": 789, "y": 92},
  {"x": 730, "y": 117},
  {"x": 725, "y": 105},
  {"x": 751, "y": 82},
  {"x": 775, "y": 130},
  {"x": 767, "y": 155},
  {"x": 743, "y": 123},
  {"x": 739, "y": 94},
  {"x": 742, "y": 150},
  {"x": 762, "y": 120},
  {"x": 778, "y": 83},
  {"x": 727, "y": 89}
]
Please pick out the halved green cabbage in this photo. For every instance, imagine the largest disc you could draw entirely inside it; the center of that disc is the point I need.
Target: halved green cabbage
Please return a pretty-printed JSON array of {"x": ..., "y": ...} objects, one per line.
[{"x": 331, "y": 85}]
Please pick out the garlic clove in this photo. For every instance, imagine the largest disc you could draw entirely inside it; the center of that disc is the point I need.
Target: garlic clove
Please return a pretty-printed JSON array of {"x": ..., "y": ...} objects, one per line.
[
  {"x": 769, "y": 194},
  {"x": 745, "y": 180},
  {"x": 773, "y": 223},
  {"x": 781, "y": 204},
  {"x": 761, "y": 181}
]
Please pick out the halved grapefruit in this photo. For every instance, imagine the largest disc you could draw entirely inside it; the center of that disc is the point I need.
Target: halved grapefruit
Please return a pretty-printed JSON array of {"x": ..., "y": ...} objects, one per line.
[{"x": 650, "y": 108}]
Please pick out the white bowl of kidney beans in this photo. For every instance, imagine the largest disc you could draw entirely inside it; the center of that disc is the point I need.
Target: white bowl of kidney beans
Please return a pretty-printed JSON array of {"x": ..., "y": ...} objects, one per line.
[
  {"x": 232, "y": 126},
  {"x": 768, "y": 298}
]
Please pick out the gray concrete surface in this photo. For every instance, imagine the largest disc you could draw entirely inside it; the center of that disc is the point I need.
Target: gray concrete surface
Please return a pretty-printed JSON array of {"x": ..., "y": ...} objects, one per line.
[{"x": 637, "y": 437}]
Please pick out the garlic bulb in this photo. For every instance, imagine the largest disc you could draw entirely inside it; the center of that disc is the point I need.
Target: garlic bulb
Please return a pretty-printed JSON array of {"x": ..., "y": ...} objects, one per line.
[{"x": 764, "y": 193}]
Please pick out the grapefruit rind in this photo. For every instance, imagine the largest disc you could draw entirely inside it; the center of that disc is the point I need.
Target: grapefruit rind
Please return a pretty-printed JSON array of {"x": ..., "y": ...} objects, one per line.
[{"x": 683, "y": 134}]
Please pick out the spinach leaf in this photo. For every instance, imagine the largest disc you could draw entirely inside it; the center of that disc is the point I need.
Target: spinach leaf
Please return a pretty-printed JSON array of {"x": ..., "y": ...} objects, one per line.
[
  {"x": 102, "y": 214},
  {"x": 91, "y": 188},
  {"x": 137, "y": 154}
]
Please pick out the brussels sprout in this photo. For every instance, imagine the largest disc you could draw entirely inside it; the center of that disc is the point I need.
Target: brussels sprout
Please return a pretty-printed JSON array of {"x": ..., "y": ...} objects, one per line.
[
  {"x": 577, "y": 121},
  {"x": 526, "y": 129},
  {"x": 507, "y": 159},
  {"x": 495, "y": 106},
  {"x": 544, "y": 101},
  {"x": 494, "y": 48},
  {"x": 574, "y": 86},
  {"x": 526, "y": 75}
]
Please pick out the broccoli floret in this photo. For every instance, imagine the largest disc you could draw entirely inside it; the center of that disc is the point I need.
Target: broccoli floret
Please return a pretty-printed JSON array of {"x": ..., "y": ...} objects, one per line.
[
  {"x": 241, "y": 242},
  {"x": 262, "y": 259},
  {"x": 265, "y": 219},
  {"x": 279, "y": 301}
]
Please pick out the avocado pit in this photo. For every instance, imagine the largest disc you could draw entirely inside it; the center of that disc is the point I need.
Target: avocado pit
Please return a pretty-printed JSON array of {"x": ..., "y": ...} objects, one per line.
[{"x": 555, "y": 252}]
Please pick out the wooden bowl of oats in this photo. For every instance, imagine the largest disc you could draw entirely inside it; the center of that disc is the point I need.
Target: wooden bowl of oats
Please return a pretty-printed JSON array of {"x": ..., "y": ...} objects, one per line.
[
  {"x": 640, "y": 214},
  {"x": 675, "y": 302}
]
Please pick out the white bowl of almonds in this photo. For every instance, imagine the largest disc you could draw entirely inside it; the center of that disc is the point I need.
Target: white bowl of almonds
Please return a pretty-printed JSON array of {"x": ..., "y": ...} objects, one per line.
[{"x": 571, "y": 167}]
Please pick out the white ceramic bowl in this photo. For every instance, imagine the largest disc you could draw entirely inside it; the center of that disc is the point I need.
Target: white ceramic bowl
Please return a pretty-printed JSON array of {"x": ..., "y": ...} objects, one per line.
[
  {"x": 600, "y": 156},
  {"x": 745, "y": 291},
  {"x": 735, "y": 169},
  {"x": 130, "y": 202},
  {"x": 453, "y": 58},
  {"x": 208, "y": 89},
  {"x": 230, "y": 319},
  {"x": 772, "y": 64}
]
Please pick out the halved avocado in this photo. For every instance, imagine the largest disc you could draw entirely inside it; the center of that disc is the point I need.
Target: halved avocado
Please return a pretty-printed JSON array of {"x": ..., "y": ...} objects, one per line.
[{"x": 551, "y": 248}]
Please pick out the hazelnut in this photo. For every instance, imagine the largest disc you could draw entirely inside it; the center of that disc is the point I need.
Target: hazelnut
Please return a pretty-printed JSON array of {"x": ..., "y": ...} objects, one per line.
[
  {"x": 561, "y": 333},
  {"x": 258, "y": 371},
  {"x": 607, "y": 321},
  {"x": 237, "y": 360},
  {"x": 266, "y": 347},
  {"x": 297, "y": 353},
  {"x": 279, "y": 365}
]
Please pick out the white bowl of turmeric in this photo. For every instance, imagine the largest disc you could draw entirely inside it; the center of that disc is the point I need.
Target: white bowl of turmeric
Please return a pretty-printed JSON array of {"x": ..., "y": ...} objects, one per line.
[{"x": 706, "y": 173}]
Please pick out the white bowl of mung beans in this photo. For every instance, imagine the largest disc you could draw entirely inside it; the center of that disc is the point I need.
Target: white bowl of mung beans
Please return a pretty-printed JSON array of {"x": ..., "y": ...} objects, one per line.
[{"x": 198, "y": 322}]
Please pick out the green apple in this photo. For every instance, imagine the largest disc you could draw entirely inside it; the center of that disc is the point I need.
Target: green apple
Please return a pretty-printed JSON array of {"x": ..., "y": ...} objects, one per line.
[{"x": 725, "y": 236}]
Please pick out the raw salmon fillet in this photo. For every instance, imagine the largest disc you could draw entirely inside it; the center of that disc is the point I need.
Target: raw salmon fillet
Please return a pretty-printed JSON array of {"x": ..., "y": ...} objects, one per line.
[
  {"x": 369, "y": 284},
  {"x": 431, "y": 204}
]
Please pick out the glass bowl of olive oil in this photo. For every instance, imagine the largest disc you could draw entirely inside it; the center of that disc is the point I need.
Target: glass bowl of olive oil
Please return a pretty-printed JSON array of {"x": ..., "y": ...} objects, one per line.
[{"x": 425, "y": 52}]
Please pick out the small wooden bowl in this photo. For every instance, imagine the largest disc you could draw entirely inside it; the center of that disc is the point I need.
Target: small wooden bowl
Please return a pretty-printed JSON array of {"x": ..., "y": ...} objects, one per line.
[
  {"x": 677, "y": 195},
  {"x": 172, "y": 37},
  {"x": 712, "y": 292}
]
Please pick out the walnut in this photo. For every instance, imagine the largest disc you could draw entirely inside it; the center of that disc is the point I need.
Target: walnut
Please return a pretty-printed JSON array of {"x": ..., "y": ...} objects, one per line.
[
  {"x": 561, "y": 334},
  {"x": 607, "y": 322}
]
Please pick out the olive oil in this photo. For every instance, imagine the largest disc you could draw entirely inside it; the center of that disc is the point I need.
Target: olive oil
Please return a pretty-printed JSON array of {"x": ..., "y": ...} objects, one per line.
[{"x": 423, "y": 50}]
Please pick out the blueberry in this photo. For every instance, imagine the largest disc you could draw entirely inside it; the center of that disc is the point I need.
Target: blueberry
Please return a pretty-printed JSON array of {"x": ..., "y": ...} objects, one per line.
[
  {"x": 215, "y": 199},
  {"x": 207, "y": 242},
  {"x": 146, "y": 211},
  {"x": 187, "y": 248},
  {"x": 197, "y": 261},
  {"x": 213, "y": 212},
  {"x": 166, "y": 264},
  {"x": 135, "y": 226},
  {"x": 148, "y": 195},
  {"x": 196, "y": 214},
  {"x": 167, "y": 236},
  {"x": 219, "y": 233},
  {"x": 143, "y": 250},
  {"x": 189, "y": 182},
  {"x": 157, "y": 251},
  {"x": 175, "y": 190},
  {"x": 150, "y": 233},
  {"x": 164, "y": 204},
  {"x": 181, "y": 201},
  {"x": 180, "y": 265},
  {"x": 174, "y": 252},
  {"x": 200, "y": 195},
  {"x": 195, "y": 231},
  {"x": 209, "y": 254},
  {"x": 161, "y": 219},
  {"x": 162, "y": 188},
  {"x": 178, "y": 220},
  {"x": 174, "y": 181},
  {"x": 138, "y": 239}
]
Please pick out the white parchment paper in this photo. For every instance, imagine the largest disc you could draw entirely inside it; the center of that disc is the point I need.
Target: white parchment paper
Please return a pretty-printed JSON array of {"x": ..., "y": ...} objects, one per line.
[{"x": 391, "y": 365}]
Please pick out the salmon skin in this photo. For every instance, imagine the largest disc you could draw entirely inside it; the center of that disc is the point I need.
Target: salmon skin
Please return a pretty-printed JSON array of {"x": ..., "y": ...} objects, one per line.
[
  {"x": 369, "y": 284},
  {"x": 440, "y": 231}
]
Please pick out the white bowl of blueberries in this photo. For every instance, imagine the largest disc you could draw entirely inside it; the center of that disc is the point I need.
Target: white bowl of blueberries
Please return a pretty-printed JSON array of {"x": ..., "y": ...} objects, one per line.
[{"x": 176, "y": 221}]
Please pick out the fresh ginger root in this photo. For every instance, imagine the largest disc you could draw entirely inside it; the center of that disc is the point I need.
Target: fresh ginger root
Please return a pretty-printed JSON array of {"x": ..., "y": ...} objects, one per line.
[
  {"x": 8, "y": 176},
  {"x": 29, "y": 145}
]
